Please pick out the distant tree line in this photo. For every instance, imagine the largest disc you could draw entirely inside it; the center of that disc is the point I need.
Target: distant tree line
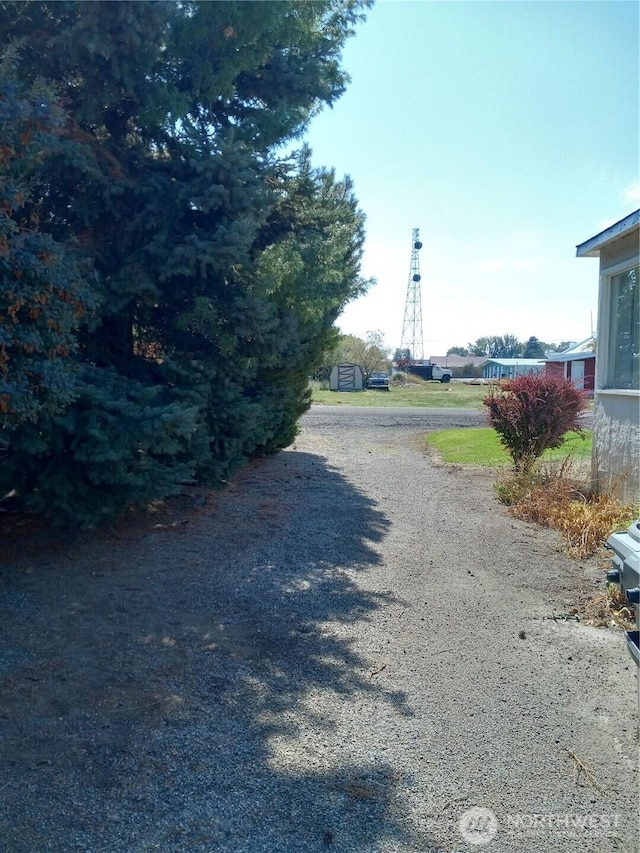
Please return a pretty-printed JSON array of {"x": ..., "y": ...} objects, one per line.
[
  {"x": 508, "y": 346},
  {"x": 169, "y": 278}
]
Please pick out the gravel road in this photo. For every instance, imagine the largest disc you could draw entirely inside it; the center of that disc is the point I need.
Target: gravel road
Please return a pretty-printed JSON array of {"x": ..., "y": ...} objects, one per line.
[{"x": 353, "y": 648}]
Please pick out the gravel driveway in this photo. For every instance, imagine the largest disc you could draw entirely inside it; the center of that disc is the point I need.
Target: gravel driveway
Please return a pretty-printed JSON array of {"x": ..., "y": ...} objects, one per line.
[{"x": 353, "y": 648}]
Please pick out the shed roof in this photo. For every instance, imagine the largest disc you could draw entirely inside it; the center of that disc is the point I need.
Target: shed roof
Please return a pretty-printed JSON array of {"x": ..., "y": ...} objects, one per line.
[{"x": 591, "y": 248}]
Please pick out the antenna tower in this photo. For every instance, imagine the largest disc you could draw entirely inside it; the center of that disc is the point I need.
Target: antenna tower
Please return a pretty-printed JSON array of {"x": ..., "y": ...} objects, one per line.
[{"x": 412, "y": 326}]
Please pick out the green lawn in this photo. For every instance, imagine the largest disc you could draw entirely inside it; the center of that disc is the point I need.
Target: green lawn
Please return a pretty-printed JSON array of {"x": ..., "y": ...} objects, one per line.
[
  {"x": 472, "y": 446},
  {"x": 454, "y": 395}
]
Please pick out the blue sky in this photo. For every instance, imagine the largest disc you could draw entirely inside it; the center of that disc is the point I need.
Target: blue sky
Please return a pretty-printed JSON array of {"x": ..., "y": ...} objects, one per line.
[{"x": 508, "y": 133}]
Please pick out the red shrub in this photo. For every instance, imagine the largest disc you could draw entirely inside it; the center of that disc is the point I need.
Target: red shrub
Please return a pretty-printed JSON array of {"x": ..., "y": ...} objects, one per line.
[{"x": 533, "y": 413}]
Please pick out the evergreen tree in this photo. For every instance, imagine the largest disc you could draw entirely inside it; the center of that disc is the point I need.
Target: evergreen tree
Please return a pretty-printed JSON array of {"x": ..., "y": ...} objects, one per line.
[
  {"x": 218, "y": 268},
  {"x": 43, "y": 296},
  {"x": 534, "y": 348}
]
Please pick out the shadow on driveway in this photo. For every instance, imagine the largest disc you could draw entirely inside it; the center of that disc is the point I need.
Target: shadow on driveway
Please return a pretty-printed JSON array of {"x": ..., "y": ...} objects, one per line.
[{"x": 185, "y": 685}]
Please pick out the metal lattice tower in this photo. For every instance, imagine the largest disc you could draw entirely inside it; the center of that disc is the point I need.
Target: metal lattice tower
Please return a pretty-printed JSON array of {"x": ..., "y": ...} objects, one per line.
[{"x": 412, "y": 326}]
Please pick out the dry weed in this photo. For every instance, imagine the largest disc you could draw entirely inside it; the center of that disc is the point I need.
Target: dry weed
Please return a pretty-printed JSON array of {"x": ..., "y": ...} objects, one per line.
[
  {"x": 607, "y": 610},
  {"x": 552, "y": 497},
  {"x": 555, "y": 498},
  {"x": 587, "y": 524},
  {"x": 583, "y": 770}
]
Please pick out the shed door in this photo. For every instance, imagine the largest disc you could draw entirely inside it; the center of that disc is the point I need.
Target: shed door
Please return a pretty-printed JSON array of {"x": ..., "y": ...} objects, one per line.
[{"x": 346, "y": 377}]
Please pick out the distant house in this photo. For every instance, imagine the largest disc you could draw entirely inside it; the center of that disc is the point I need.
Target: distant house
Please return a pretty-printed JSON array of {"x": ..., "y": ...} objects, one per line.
[
  {"x": 578, "y": 363},
  {"x": 457, "y": 360},
  {"x": 509, "y": 368},
  {"x": 616, "y": 416},
  {"x": 346, "y": 377},
  {"x": 461, "y": 365}
]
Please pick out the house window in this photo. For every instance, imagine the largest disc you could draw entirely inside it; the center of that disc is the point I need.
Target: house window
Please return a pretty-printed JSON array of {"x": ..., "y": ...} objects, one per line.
[{"x": 624, "y": 341}]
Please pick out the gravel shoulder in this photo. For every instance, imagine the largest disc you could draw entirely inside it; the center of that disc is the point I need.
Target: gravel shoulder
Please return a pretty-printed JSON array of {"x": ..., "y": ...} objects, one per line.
[{"x": 350, "y": 648}]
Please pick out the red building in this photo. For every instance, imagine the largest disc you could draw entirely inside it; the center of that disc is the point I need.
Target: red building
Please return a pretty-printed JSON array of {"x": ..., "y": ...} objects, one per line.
[{"x": 577, "y": 364}]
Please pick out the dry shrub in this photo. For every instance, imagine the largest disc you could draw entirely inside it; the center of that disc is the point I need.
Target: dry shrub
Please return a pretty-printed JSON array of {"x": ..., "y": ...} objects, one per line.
[
  {"x": 553, "y": 498},
  {"x": 607, "y": 609},
  {"x": 535, "y": 493},
  {"x": 587, "y": 524}
]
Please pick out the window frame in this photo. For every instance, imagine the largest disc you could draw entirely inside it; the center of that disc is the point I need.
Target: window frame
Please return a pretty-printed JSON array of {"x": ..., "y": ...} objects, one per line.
[{"x": 608, "y": 333}]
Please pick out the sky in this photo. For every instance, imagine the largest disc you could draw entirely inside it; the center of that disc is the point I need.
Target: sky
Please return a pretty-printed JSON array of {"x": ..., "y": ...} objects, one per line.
[{"x": 507, "y": 132}]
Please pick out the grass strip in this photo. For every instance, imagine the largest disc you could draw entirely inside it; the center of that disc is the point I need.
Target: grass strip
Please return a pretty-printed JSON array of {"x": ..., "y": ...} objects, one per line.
[
  {"x": 451, "y": 395},
  {"x": 481, "y": 446}
]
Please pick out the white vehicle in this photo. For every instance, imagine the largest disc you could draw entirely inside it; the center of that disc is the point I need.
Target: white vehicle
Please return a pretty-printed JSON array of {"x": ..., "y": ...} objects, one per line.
[
  {"x": 425, "y": 370},
  {"x": 442, "y": 374}
]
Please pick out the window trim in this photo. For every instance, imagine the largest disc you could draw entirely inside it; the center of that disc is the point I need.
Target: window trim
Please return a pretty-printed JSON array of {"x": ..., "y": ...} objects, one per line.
[{"x": 604, "y": 360}]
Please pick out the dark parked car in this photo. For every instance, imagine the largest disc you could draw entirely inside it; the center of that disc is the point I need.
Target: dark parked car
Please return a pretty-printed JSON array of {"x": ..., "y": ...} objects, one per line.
[{"x": 378, "y": 382}]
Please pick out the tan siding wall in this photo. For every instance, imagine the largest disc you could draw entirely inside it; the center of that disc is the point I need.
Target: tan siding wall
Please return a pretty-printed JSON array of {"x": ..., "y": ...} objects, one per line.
[
  {"x": 616, "y": 425},
  {"x": 616, "y": 444}
]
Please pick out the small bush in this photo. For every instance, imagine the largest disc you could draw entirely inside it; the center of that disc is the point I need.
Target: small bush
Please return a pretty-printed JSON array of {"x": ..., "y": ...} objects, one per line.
[
  {"x": 398, "y": 378},
  {"x": 511, "y": 487},
  {"x": 532, "y": 414},
  {"x": 470, "y": 371}
]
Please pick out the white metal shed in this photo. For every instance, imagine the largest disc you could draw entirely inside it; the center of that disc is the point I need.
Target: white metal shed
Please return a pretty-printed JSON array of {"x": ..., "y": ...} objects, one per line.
[{"x": 346, "y": 377}]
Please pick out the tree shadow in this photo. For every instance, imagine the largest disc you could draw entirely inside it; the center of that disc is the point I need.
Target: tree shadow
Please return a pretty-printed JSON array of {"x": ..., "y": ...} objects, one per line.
[{"x": 204, "y": 685}]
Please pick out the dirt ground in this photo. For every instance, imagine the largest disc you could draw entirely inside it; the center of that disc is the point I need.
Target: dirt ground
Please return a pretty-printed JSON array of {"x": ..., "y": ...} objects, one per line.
[{"x": 351, "y": 647}]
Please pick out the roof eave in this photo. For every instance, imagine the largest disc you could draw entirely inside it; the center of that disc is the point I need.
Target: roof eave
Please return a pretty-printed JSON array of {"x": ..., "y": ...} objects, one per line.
[
  {"x": 573, "y": 356},
  {"x": 591, "y": 248}
]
